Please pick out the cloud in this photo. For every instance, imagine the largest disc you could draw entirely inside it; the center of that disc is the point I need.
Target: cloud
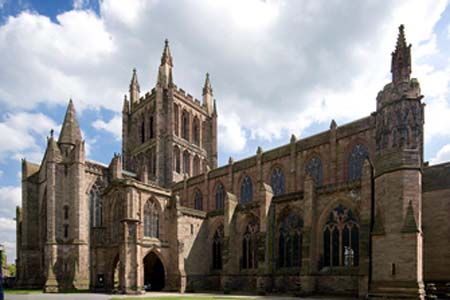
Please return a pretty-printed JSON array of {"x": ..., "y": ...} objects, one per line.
[
  {"x": 232, "y": 138},
  {"x": 20, "y": 132},
  {"x": 10, "y": 197},
  {"x": 442, "y": 155},
  {"x": 113, "y": 126}
]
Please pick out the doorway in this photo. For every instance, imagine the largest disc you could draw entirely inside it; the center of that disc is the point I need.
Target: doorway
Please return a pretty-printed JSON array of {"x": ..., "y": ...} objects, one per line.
[{"x": 154, "y": 275}]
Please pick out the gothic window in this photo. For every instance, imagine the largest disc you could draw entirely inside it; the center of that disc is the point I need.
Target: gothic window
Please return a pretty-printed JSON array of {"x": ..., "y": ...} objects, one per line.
[
  {"x": 143, "y": 132},
  {"x": 277, "y": 182},
  {"x": 198, "y": 200},
  {"x": 356, "y": 160},
  {"x": 246, "y": 190},
  {"x": 185, "y": 125},
  {"x": 66, "y": 212},
  {"x": 250, "y": 246},
  {"x": 341, "y": 239},
  {"x": 66, "y": 231},
  {"x": 151, "y": 127},
  {"x": 151, "y": 219},
  {"x": 177, "y": 159},
  {"x": 314, "y": 169},
  {"x": 186, "y": 163},
  {"x": 217, "y": 248},
  {"x": 96, "y": 207},
  {"x": 220, "y": 196},
  {"x": 290, "y": 241},
  {"x": 196, "y": 165},
  {"x": 196, "y": 131},
  {"x": 176, "y": 118}
]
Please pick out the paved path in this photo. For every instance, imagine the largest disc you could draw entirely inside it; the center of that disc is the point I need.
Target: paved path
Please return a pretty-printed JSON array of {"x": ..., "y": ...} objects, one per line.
[{"x": 88, "y": 296}]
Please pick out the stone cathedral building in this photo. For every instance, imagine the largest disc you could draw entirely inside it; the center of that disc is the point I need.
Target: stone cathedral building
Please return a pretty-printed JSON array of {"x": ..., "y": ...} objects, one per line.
[{"x": 353, "y": 210}]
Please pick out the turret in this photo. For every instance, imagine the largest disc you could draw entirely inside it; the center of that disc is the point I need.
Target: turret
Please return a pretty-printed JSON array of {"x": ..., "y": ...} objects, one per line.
[
  {"x": 165, "y": 78},
  {"x": 70, "y": 132},
  {"x": 208, "y": 101},
  {"x": 134, "y": 89},
  {"x": 401, "y": 59}
]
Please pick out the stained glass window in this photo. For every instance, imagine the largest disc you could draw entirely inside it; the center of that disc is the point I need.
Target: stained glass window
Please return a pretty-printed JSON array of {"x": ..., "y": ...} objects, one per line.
[
  {"x": 96, "y": 207},
  {"x": 355, "y": 161},
  {"x": 246, "y": 190},
  {"x": 314, "y": 168},
  {"x": 198, "y": 200},
  {"x": 151, "y": 219},
  {"x": 290, "y": 241},
  {"x": 277, "y": 181},
  {"x": 220, "y": 196},
  {"x": 250, "y": 246},
  {"x": 217, "y": 248}
]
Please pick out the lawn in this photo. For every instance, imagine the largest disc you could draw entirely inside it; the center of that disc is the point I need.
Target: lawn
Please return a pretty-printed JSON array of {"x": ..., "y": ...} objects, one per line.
[
  {"x": 22, "y": 292},
  {"x": 186, "y": 298}
]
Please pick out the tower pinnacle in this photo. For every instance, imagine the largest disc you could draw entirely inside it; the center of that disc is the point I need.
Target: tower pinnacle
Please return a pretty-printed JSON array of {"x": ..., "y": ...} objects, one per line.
[
  {"x": 70, "y": 132},
  {"x": 166, "y": 58},
  {"x": 207, "y": 88},
  {"x": 165, "y": 78},
  {"x": 134, "y": 88},
  {"x": 208, "y": 100},
  {"x": 401, "y": 59}
]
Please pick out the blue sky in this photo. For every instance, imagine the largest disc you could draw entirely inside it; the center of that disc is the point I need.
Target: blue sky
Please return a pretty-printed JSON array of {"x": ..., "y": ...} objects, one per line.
[{"x": 277, "y": 68}]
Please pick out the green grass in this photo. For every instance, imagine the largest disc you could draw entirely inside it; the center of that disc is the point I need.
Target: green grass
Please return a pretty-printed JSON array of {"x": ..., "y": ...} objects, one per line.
[
  {"x": 184, "y": 298},
  {"x": 21, "y": 292}
]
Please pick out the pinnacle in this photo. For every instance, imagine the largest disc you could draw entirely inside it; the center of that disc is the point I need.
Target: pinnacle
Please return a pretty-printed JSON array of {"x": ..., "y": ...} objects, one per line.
[
  {"x": 207, "y": 88},
  {"x": 134, "y": 84},
  {"x": 401, "y": 40},
  {"x": 70, "y": 132},
  {"x": 166, "y": 58}
]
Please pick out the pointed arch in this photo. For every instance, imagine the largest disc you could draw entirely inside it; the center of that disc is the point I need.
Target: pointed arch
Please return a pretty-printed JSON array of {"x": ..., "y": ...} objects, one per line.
[
  {"x": 246, "y": 190},
  {"x": 198, "y": 200},
  {"x": 185, "y": 125},
  {"x": 177, "y": 159},
  {"x": 250, "y": 245},
  {"x": 151, "y": 219},
  {"x": 220, "y": 196},
  {"x": 186, "y": 162},
  {"x": 315, "y": 169},
  {"x": 96, "y": 206},
  {"x": 277, "y": 181},
  {"x": 217, "y": 248},
  {"x": 196, "y": 166},
  {"x": 196, "y": 131},
  {"x": 290, "y": 237},
  {"x": 176, "y": 118},
  {"x": 356, "y": 160}
]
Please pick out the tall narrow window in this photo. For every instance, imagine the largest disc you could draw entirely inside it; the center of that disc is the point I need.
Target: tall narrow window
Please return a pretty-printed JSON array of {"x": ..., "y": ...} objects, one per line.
[
  {"x": 196, "y": 165},
  {"x": 290, "y": 241},
  {"x": 151, "y": 127},
  {"x": 186, "y": 163},
  {"x": 314, "y": 168},
  {"x": 96, "y": 207},
  {"x": 341, "y": 238},
  {"x": 220, "y": 196},
  {"x": 217, "y": 248},
  {"x": 277, "y": 182},
  {"x": 196, "y": 131},
  {"x": 176, "y": 117},
  {"x": 185, "y": 125},
  {"x": 151, "y": 219},
  {"x": 250, "y": 246},
  {"x": 177, "y": 159},
  {"x": 198, "y": 200},
  {"x": 142, "y": 132},
  {"x": 66, "y": 212},
  {"x": 66, "y": 231},
  {"x": 246, "y": 190},
  {"x": 356, "y": 160}
]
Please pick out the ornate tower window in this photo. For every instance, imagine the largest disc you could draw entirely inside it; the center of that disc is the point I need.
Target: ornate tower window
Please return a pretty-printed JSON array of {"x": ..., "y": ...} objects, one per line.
[
  {"x": 217, "y": 248},
  {"x": 277, "y": 182},
  {"x": 356, "y": 160},
  {"x": 341, "y": 239},
  {"x": 196, "y": 165},
  {"x": 96, "y": 207},
  {"x": 177, "y": 159},
  {"x": 246, "y": 190},
  {"x": 151, "y": 219},
  {"x": 185, "y": 125},
  {"x": 151, "y": 127},
  {"x": 186, "y": 163},
  {"x": 290, "y": 241},
  {"x": 250, "y": 246},
  {"x": 196, "y": 131},
  {"x": 314, "y": 168},
  {"x": 198, "y": 200},
  {"x": 176, "y": 119},
  {"x": 220, "y": 196}
]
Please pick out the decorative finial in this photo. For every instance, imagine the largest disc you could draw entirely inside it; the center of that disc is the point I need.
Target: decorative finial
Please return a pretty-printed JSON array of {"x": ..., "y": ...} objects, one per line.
[
  {"x": 259, "y": 150},
  {"x": 333, "y": 124},
  {"x": 293, "y": 138},
  {"x": 51, "y": 132},
  {"x": 230, "y": 160},
  {"x": 401, "y": 59}
]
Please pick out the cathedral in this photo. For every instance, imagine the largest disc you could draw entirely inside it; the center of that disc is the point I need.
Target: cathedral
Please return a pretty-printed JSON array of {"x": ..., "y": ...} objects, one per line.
[{"x": 353, "y": 210}]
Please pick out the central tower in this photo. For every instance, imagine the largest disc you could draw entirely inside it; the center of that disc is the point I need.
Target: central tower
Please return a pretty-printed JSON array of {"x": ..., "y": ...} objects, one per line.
[{"x": 167, "y": 134}]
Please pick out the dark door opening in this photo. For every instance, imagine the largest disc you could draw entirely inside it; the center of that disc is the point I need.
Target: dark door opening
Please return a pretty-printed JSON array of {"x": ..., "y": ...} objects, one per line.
[{"x": 153, "y": 273}]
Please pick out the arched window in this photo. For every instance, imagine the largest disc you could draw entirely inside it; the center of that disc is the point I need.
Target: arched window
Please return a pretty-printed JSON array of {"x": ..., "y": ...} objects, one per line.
[
  {"x": 250, "y": 246},
  {"x": 246, "y": 190},
  {"x": 176, "y": 117},
  {"x": 151, "y": 219},
  {"x": 217, "y": 248},
  {"x": 185, "y": 125},
  {"x": 177, "y": 159},
  {"x": 290, "y": 241},
  {"x": 186, "y": 163},
  {"x": 196, "y": 131},
  {"x": 196, "y": 165},
  {"x": 198, "y": 200},
  {"x": 96, "y": 207},
  {"x": 220, "y": 196},
  {"x": 151, "y": 127},
  {"x": 277, "y": 182},
  {"x": 356, "y": 160},
  {"x": 341, "y": 239},
  {"x": 314, "y": 168},
  {"x": 143, "y": 132}
]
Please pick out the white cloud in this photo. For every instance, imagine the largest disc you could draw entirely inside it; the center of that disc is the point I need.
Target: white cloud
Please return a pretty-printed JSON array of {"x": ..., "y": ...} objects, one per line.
[
  {"x": 442, "y": 155},
  {"x": 19, "y": 133},
  {"x": 113, "y": 126},
  {"x": 10, "y": 197},
  {"x": 231, "y": 137}
]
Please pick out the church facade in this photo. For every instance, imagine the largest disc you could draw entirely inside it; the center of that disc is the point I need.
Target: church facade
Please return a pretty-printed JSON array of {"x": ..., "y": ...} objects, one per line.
[{"x": 353, "y": 210}]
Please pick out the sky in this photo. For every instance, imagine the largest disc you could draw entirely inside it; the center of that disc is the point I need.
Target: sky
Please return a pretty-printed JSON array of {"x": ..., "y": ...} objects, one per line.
[{"x": 277, "y": 68}]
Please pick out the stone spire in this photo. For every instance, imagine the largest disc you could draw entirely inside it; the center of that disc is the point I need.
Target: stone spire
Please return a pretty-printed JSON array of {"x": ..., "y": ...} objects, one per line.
[
  {"x": 134, "y": 88},
  {"x": 70, "y": 132},
  {"x": 401, "y": 59},
  {"x": 165, "y": 69},
  {"x": 208, "y": 100}
]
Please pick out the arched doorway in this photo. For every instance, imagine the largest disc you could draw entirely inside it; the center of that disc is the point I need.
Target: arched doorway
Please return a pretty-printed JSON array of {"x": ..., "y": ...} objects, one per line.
[{"x": 154, "y": 276}]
